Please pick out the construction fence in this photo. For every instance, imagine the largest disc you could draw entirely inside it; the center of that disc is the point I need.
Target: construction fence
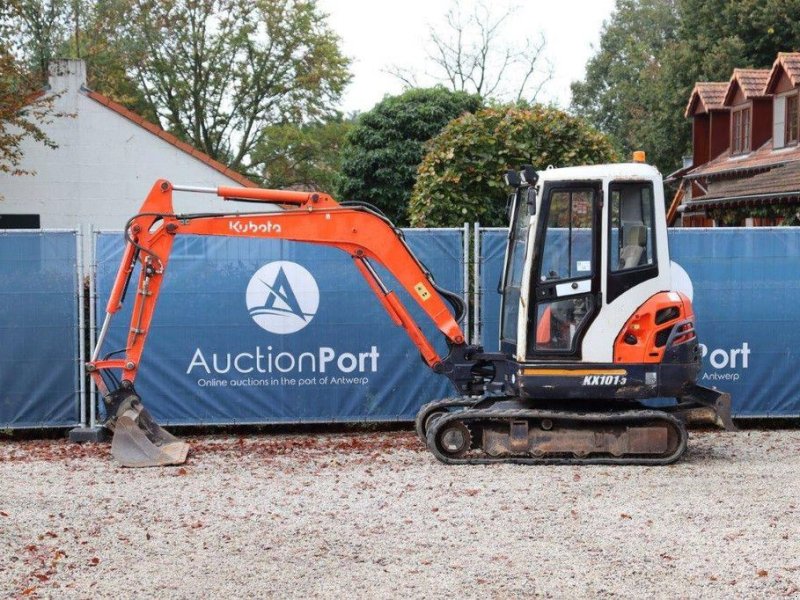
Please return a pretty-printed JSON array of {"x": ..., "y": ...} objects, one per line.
[{"x": 257, "y": 332}]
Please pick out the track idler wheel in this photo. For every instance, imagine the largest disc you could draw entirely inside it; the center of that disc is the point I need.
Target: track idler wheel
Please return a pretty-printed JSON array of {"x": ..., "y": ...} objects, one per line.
[
  {"x": 431, "y": 412},
  {"x": 455, "y": 439},
  {"x": 138, "y": 440}
]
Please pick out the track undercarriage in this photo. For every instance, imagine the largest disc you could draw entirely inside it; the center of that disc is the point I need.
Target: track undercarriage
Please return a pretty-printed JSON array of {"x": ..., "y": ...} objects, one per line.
[{"x": 513, "y": 430}]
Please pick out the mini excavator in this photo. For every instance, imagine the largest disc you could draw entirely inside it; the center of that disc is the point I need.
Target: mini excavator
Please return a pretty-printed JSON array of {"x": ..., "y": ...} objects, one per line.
[{"x": 595, "y": 320}]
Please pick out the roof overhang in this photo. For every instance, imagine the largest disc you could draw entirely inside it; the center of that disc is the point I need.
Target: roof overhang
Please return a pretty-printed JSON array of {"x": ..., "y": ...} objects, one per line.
[
  {"x": 744, "y": 79},
  {"x": 730, "y": 201},
  {"x": 781, "y": 65},
  {"x": 705, "y": 97}
]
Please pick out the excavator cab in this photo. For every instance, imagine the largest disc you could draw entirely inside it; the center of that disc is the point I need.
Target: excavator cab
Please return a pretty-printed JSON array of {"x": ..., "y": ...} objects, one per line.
[
  {"x": 582, "y": 241},
  {"x": 598, "y": 355}
]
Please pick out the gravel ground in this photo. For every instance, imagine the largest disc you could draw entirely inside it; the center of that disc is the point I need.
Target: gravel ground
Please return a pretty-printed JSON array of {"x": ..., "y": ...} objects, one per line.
[{"x": 374, "y": 515}]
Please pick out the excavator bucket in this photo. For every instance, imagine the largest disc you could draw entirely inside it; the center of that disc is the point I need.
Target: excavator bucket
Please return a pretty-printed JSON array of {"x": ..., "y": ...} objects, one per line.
[{"x": 138, "y": 440}]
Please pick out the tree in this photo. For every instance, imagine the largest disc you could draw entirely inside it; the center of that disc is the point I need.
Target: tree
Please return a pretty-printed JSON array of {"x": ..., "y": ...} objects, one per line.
[
  {"x": 653, "y": 51},
  {"x": 33, "y": 31},
  {"x": 384, "y": 148},
  {"x": 217, "y": 72},
  {"x": 472, "y": 54},
  {"x": 213, "y": 72},
  {"x": 615, "y": 95},
  {"x": 302, "y": 156},
  {"x": 461, "y": 176},
  {"x": 23, "y": 109}
]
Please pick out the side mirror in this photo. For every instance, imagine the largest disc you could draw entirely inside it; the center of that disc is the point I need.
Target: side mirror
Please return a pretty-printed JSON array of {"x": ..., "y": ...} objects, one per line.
[
  {"x": 512, "y": 179},
  {"x": 529, "y": 175}
]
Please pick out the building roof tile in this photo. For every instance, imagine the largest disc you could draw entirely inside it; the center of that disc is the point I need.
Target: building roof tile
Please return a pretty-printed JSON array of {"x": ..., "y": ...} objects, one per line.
[
  {"x": 788, "y": 62},
  {"x": 751, "y": 81},
  {"x": 764, "y": 157},
  {"x": 710, "y": 93},
  {"x": 170, "y": 138},
  {"x": 781, "y": 180}
]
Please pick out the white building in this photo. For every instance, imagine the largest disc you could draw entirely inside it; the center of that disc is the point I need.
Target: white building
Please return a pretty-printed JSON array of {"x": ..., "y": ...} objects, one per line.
[{"x": 106, "y": 162}]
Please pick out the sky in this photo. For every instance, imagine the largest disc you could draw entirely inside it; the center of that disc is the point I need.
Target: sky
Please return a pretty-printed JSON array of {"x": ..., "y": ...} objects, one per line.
[{"x": 379, "y": 34}]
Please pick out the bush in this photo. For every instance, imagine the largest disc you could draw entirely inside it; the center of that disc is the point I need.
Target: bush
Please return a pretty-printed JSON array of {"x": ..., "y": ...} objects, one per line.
[
  {"x": 384, "y": 149},
  {"x": 461, "y": 176}
]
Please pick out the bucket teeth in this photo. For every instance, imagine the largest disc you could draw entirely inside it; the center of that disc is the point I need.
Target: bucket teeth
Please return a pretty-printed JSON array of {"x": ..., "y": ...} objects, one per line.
[{"x": 138, "y": 440}]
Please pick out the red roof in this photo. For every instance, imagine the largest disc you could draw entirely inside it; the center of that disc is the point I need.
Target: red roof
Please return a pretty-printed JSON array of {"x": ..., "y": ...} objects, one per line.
[
  {"x": 710, "y": 93},
  {"x": 751, "y": 81},
  {"x": 170, "y": 139},
  {"x": 762, "y": 158},
  {"x": 782, "y": 179},
  {"x": 788, "y": 62}
]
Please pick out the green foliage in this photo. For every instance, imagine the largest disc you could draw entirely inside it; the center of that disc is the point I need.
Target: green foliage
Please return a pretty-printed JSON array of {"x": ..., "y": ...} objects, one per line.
[
  {"x": 461, "y": 177},
  {"x": 384, "y": 149},
  {"x": 213, "y": 72},
  {"x": 33, "y": 31},
  {"x": 305, "y": 156},
  {"x": 22, "y": 112},
  {"x": 617, "y": 94},
  {"x": 219, "y": 71},
  {"x": 653, "y": 51}
]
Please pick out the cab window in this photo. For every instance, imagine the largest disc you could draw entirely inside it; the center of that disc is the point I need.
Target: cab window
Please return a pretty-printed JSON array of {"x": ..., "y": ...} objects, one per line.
[
  {"x": 632, "y": 234},
  {"x": 567, "y": 250},
  {"x": 632, "y": 252},
  {"x": 516, "y": 260}
]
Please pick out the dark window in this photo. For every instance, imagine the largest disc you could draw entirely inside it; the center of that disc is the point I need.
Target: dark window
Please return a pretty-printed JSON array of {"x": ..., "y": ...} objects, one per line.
[
  {"x": 632, "y": 234},
  {"x": 632, "y": 252},
  {"x": 20, "y": 222},
  {"x": 740, "y": 131},
  {"x": 567, "y": 251},
  {"x": 791, "y": 123},
  {"x": 516, "y": 261},
  {"x": 560, "y": 322}
]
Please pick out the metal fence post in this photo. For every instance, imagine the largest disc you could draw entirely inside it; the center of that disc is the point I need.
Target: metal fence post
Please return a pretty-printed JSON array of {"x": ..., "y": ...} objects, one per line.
[
  {"x": 81, "y": 326},
  {"x": 92, "y": 318},
  {"x": 466, "y": 282},
  {"x": 476, "y": 278}
]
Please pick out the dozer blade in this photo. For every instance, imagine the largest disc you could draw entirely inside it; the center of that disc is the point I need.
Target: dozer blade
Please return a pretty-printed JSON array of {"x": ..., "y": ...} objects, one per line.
[
  {"x": 138, "y": 440},
  {"x": 706, "y": 406}
]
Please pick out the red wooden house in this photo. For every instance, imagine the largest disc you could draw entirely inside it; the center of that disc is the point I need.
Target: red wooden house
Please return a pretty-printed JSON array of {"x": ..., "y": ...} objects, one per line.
[{"x": 746, "y": 159}]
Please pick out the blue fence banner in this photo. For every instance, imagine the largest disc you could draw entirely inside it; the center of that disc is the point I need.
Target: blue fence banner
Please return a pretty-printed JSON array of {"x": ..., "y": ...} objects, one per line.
[
  {"x": 269, "y": 331},
  {"x": 38, "y": 329},
  {"x": 746, "y": 291}
]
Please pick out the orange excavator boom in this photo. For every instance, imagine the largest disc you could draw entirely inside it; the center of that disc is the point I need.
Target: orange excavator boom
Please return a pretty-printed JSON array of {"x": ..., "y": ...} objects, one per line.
[{"x": 316, "y": 218}]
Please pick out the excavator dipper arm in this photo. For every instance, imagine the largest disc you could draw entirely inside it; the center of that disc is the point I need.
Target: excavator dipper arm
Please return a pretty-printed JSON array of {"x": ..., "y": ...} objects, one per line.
[{"x": 306, "y": 217}]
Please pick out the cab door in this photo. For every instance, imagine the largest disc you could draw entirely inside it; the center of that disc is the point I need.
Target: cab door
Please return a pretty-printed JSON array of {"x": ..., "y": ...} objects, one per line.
[{"x": 565, "y": 272}]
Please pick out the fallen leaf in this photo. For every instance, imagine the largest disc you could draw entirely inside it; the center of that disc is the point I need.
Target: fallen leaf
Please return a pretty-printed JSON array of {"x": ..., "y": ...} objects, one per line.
[{"x": 762, "y": 573}]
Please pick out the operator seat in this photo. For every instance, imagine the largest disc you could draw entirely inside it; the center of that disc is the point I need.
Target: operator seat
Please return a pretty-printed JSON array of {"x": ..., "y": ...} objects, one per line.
[{"x": 635, "y": 238}]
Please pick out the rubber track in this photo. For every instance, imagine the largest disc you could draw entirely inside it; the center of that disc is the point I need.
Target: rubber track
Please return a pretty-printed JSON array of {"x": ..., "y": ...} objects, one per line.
[
  {"x": 630, "y": 417},
  {"x": 445, "y": 403}
]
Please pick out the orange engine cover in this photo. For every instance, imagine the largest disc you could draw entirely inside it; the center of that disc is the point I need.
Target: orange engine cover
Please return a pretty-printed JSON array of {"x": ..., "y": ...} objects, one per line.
[{"x": 643, "y": 338}]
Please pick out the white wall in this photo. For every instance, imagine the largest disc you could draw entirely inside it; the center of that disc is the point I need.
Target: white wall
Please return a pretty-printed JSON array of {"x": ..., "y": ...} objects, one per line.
[{"x": 103, "y": 167}]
